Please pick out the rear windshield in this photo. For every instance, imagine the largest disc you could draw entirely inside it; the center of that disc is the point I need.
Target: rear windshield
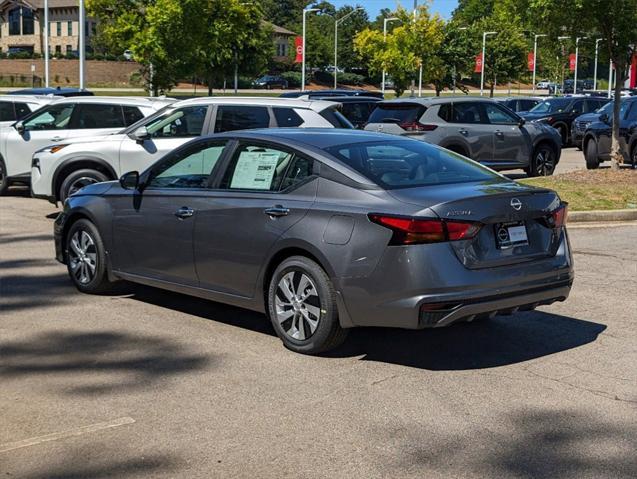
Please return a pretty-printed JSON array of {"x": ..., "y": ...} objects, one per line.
[
  {"x": 336, "y": 118},
  {"x": 409, "y": 164},
  {"x": 396, "y": 113},
  {"x": 551, "y": 106}
]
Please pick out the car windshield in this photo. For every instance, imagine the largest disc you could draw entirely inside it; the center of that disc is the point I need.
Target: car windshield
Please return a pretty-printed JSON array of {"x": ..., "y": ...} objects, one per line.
[
  {"x": 607, "y": 108},
  {"x": 409, "y": 164},
  {"x": 551, "y": 106}
]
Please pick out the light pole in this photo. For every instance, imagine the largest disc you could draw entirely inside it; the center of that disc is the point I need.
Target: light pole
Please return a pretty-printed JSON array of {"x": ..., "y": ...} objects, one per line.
[
  {"x": 484, "y": 47},
  {"x": 385, "y": 22},
  {"x": 82, "y": 39},
  {"x": 595, "y": 71},
  {"x": 46, "y": 43},
  {"x": 559, "y": 39},
  {"x": 610, "y": 77},
  {"x": 305, "y": 12},
  {"x": 340, "y": 20},
  {"x": 576, "y": 59},
  {"x": 535, "y": 56}
]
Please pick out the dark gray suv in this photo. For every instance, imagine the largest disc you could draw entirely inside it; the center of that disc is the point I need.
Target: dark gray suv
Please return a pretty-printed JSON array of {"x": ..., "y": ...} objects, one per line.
[{"x": 478, "y": 128}]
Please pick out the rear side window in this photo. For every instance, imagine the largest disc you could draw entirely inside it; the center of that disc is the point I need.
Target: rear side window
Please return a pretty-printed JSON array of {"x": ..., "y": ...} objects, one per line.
[
  {"x": 99, "y": 115},
  {"x": 6, "y": 111},
  {"x": 287, "y": 117},
  {"x": 22, "y": 110},
  {"x": 132, "y": 114},
  {"x": 397, "y": 113},
  {"x": 463, "y": 112},
  {"x": 336, "y": 118},
  {"x": 230, "y": 118},
  {"x": 409, "y": 164}
]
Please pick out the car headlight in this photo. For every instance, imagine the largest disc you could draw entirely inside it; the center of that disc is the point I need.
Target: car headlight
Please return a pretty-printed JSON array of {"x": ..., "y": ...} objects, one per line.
[{"x": 51, "y": 149}]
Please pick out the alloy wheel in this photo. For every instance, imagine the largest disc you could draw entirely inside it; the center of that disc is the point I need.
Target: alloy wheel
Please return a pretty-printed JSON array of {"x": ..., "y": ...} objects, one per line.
[
  {"x": 80, "y": 183},
  {"x": 82, "y": 257},
  {"x": 544, "y": 162},
  {"x": 297, "y": 305}
]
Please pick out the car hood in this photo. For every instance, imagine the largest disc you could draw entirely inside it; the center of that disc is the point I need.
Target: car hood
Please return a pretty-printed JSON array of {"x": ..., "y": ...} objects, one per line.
[
  {"x": 96, "y": 189},
  {"x": 588, "y": 117},
  {"x": 527, "y": 115}
]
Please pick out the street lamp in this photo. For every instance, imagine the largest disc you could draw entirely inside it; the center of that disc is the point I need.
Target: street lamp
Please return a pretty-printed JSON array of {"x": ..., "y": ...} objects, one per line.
[
  {"x": 576, "y": 58},
  {"x": 340, "y": 20},
  {"x": 484, "y": 47},
  {"x": 535, "y": 56},
  {"x": 82, "y": 39},
  {"x": 596, "y": 53},
  {"x": 559, "y": 39},
  {"x": 46, "y": 43},
  {"x": 385, "y": 22},
  {"x": 305, "y": 12}
]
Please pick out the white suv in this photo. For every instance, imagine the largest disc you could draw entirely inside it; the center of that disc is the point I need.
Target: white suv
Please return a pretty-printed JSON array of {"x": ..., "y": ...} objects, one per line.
[
  {"x": 16, "y": 107},
  {"x": 63, "y": 119},
  {"x": 61, "y": 169}
]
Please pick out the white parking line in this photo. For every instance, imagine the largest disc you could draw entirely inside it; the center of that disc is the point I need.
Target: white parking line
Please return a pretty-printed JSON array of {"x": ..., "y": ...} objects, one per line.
[{"x": 10, "y": 446}]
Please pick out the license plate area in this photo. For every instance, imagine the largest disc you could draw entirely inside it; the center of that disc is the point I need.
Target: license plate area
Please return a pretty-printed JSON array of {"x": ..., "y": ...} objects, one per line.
[{"x": 509, "y": 235}]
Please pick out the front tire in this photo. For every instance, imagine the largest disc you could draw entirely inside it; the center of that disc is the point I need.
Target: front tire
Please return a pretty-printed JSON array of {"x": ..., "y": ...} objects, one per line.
[
  {"x": 4, "y": 180},
  {"x": 77, "y": 180},
  {"x": 302, "y": 307},
  {"x": 592, "y": 159},
  {"x": 86, "y": 258},
  {"x": 543, "y": 161}
]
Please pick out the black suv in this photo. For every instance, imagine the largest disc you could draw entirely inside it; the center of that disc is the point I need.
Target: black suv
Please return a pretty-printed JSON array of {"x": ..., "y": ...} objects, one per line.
[
  {"x": 560, "y": 112},
  {"x": 597, "y": 139},
  {"x": 270, "y": 81}
]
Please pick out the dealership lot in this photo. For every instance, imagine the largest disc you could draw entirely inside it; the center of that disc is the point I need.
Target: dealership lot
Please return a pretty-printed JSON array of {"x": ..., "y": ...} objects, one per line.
[{"x": 155, "y": 384}]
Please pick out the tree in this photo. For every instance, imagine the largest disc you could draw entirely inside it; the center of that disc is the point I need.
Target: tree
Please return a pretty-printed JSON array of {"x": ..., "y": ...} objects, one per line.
[
  {"x": 613, "y": 20},
  {"x": 453, "y": 58},
  {"x": 347, "y": 31}
]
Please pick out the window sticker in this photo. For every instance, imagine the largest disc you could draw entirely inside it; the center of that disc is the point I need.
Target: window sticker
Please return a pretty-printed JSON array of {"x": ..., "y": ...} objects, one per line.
[{"x": 255, "y": 170}]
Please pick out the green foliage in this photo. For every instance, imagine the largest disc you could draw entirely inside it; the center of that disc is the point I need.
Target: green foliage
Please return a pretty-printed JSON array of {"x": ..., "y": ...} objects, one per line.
[
  {"x": 293, "y": 78},
  {"x": 453, "y": 58}
]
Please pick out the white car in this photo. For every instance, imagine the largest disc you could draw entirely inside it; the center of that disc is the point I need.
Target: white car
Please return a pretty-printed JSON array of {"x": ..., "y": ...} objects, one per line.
[
  {"x": 63, "y": 119},
  {"x": 61, "y": 169},
  {"x": 544, "y": 84},
  {"x": 16, "y": 107}
]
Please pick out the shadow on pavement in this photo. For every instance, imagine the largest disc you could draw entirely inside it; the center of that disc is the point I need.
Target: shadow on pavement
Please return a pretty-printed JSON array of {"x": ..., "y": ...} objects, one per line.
[
  {"x": 101, "y": 362},
  {"x": 535, "y": 443},
  {"x": 20, "y": 292},
  {"x": 8, "y": 239}
]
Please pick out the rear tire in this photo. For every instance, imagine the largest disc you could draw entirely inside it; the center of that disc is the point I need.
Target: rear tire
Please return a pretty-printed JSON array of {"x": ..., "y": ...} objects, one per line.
[
  {"x": 592, "y": 159},
  {"x": 86, "y": 258},
  {"x": 4, "y": 180},
  {"x": 78, "y": 179},
  {"x": 302, "y": 307}
]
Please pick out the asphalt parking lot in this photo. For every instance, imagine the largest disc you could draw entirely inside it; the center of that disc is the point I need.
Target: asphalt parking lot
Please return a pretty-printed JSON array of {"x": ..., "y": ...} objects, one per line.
[{"x": 156, "y": 384}]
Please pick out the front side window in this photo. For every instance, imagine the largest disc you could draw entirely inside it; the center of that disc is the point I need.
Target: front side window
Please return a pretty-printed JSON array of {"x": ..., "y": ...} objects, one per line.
[
  {"x": 99, "y": 115},
  {"x": 178, "y": 123},
  {"x": 409, "y": 164},
  {"x": 6, "y": 111},
  {"x": 499, "y": 116},
  {"x": 237, "y": 117},
  {"x": 256, "y": 167},
  {"x": 188, "y": 170},
  {"x": 54, "y": 117}
]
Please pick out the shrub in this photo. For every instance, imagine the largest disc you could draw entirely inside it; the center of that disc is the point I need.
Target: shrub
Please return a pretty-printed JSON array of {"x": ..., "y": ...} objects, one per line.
[
  {"x": 351, "y": 79},
  {"x": 294, "y": 79}
]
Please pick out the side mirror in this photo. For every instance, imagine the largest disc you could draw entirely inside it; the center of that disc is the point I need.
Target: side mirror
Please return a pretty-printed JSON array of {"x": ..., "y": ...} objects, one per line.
[
  {"x": 522, "y": 122},
  {"x": 603, "y": 118},
  {"x": 19, "y": 127},
  {"x": 130, "y": 180},
  {"x": 141, "y": 134}
]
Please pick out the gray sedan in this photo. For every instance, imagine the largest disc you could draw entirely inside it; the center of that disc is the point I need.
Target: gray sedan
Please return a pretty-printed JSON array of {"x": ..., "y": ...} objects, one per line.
[{"x": 323, "y": 231}]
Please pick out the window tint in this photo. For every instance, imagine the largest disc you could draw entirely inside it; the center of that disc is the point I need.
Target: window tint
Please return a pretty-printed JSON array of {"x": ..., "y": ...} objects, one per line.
[
  {"x": 408, "y": 164},
  {"x": 287, "y": 117},
  {"x": 357, "y": 113},
  {"x": 336, "y": 118},
  {"x": 397, "y": 113},
  {"x": 230, "y": 118},
  {"x": 578, "y": 107},
  {"x": 6, "y": 111},
  {"x": 178, "y": 123},
  {"x": 526, "y": 105},
  {"x": 300, "y": 170},
  {"x": 497, "y": 115},
  {"x": 98, "y": 115},
  {"x": 255, "y": 167},
  {"x": 190, "y": 169},
  {"x": 21, "y": 110},
  {"x": 54, "y": 117},
  {"x": 132, "y": 114},
  {"x": 463, "y": 112}
]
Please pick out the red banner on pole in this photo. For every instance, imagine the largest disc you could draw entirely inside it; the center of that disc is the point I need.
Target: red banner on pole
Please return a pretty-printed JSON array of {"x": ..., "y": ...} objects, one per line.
[
  {"x": 478, "y": 67},
  {"x": 530, "y": 61},
  {"x": 298, "y": 45},
  {"x": 571, "y": 62}
]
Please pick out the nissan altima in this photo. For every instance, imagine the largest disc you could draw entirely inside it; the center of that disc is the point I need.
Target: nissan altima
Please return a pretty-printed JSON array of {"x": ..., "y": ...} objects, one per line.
[{"x": 323, "y": 230}]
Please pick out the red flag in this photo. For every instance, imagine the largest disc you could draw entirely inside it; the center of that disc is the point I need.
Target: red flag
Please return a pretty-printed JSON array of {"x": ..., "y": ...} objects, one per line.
[
  {"x": 571, "y": 62},
  {"x": 298, "y": 44},
  {"x": 530, "y": 61},
  {"x": 478, "y": 67}
]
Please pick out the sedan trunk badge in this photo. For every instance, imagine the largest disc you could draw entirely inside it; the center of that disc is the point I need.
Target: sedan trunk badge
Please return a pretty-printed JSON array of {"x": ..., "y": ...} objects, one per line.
[{"x": 516, "y": 204}]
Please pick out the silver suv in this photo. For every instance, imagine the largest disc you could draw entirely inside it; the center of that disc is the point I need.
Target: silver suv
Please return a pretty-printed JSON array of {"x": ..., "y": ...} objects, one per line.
[{"x": 478, "y": 128}]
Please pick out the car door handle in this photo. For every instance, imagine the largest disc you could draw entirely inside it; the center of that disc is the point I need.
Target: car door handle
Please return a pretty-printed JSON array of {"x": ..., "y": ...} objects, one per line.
[
  {"x": 184, "y": 212},
  {"x": 56, "y": 138},
  {"x": 499, "y": 134},
  {"x": 277, "y": 211},
  {"x": 463, "y": 132}
]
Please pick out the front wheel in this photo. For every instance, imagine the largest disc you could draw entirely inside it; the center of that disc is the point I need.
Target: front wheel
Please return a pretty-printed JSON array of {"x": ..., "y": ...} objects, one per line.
[
  {"x": 543, "y": 161},
  {"x": 302, "y": 307},
  {"x": 4, "y": 180},
  {"x": 77, "y": 180},
  {"x": 592, "y": 159},
  {"x": 86, "y": 258}
]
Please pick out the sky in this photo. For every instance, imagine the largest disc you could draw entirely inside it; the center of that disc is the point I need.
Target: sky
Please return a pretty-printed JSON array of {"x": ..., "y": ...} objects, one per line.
[{"x": 443, "y": 7}]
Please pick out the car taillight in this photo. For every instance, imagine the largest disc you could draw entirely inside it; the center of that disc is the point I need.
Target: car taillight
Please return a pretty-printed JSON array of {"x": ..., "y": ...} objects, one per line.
[
  {"x": 408, "y": 230},
  {"x": 417, "y": 126},
  {"x": 557, "y": 218}
]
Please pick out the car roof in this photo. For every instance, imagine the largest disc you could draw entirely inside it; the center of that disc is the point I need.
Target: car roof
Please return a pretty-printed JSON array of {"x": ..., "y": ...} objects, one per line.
[
  {"x": 433, "y": 100},
  {"x": 350, "y": 99},
  {"x": 257, "y": 101},
  {"x": 119, "y": 100},
  {"x": 508, "y": 98},
  {"x": 30, "y": 98},
  {"x": 52, "y": 91}
]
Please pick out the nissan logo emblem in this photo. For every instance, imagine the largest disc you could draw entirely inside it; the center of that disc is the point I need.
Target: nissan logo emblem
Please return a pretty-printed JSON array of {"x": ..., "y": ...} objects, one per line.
[
  {"x": 503, "y": 234},
  {"x": 516, "y": 204}
]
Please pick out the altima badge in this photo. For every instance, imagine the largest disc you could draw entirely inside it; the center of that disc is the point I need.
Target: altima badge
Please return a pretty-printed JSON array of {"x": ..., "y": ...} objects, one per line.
[{"x": 516, "y": 204}]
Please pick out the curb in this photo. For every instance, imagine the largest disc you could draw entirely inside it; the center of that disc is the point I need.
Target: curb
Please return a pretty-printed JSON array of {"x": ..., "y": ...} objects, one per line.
[{"x": 609, "y": 215}]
